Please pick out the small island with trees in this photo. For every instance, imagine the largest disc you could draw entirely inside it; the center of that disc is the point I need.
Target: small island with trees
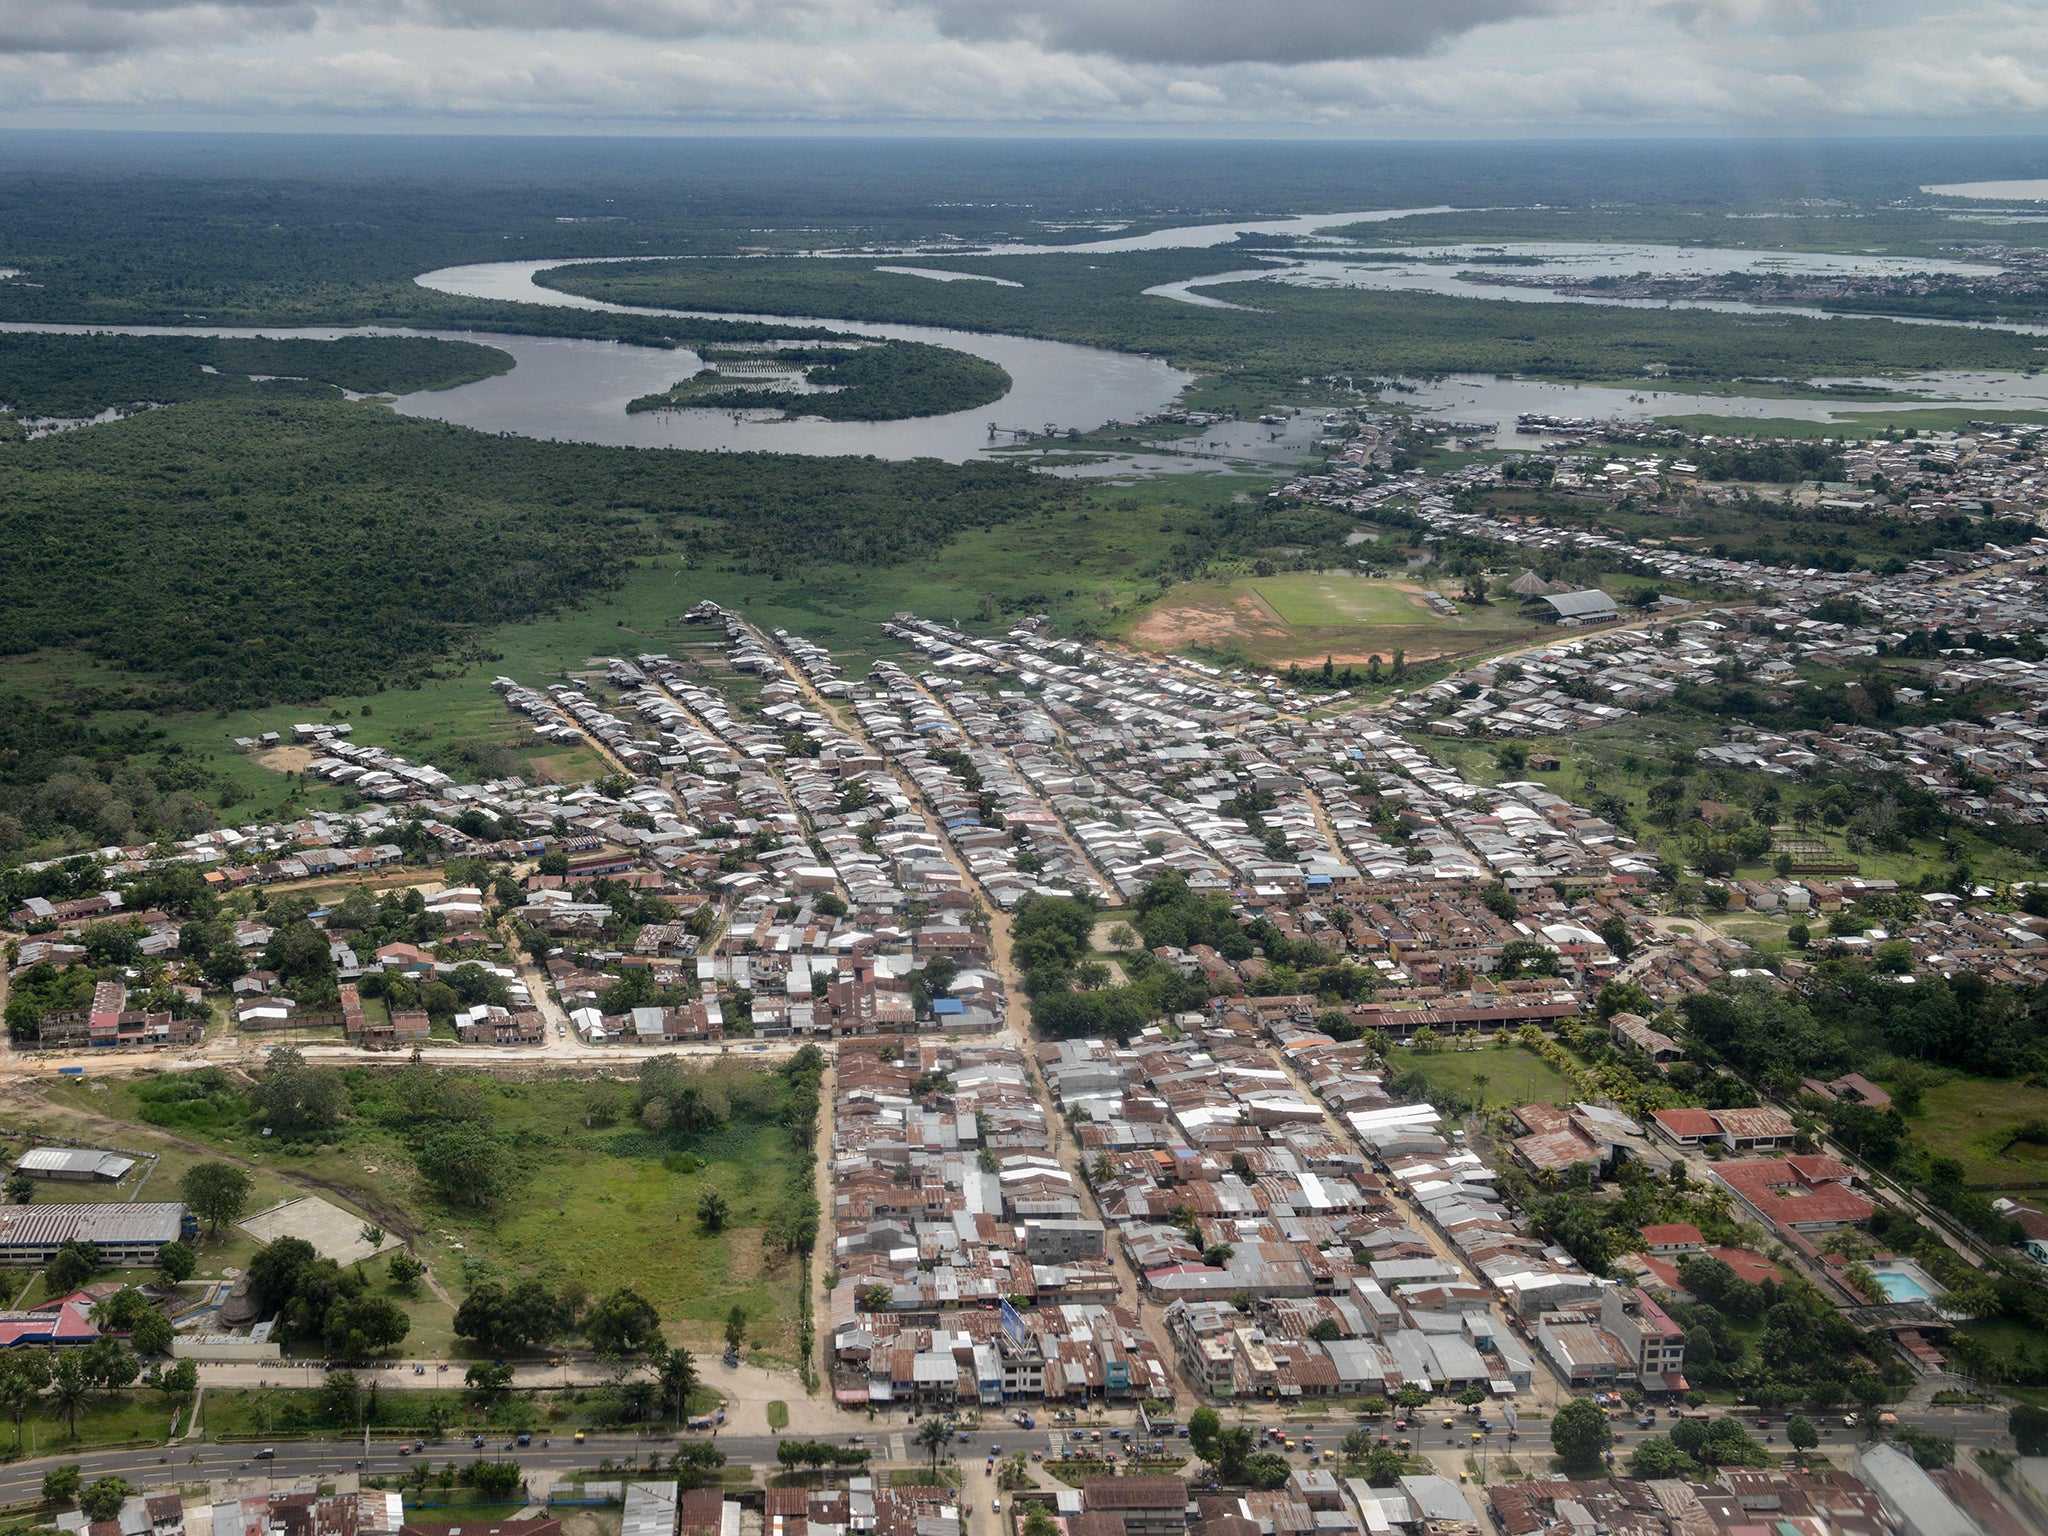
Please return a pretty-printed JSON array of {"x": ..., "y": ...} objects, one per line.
[{"x": 886, "y": 381}]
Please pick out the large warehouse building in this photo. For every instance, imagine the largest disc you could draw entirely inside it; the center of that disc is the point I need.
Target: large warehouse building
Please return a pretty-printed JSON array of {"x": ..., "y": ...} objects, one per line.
[
  {"x": 127, "y": 1236},
  {"x": 78, "y": 1164}
]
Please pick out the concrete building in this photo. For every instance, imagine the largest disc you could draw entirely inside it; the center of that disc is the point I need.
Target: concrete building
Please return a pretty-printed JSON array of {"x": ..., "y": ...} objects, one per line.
[{"x": 1062, "y": 1242}]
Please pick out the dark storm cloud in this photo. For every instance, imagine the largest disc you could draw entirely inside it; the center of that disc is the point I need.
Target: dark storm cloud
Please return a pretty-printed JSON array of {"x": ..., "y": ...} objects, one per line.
[
  {"x": 1217, "y": 32},
  {"x": 113, "y": 26}
]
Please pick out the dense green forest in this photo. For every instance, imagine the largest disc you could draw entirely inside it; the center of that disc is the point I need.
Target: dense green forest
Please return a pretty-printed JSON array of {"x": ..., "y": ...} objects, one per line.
[
  {"x": 885, "y": 382},
  {"x": 242, "y": 552},
  {"x": 68, "y": 375},
  {"x": 1284, "y": 332}
]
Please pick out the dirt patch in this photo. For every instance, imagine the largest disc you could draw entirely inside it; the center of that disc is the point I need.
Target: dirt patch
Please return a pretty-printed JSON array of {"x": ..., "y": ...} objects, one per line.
[
  {"x": 286, "y": 759},
  {"x": 563, "y": 768},
  {"x": 1218, "y": 623}
]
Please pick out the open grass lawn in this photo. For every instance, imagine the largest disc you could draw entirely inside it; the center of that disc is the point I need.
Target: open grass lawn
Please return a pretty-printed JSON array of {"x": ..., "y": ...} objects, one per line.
[
  {"x": 1969, "y": 1119},
  {"x": 1514, "y": 1075},
  {"x": 601, "y": 1206},
  {"x": 141, "y": 1416}
]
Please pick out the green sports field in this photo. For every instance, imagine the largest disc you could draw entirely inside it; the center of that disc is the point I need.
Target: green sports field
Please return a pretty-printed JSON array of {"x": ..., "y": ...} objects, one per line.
[{"x": 1306, "y": 615}]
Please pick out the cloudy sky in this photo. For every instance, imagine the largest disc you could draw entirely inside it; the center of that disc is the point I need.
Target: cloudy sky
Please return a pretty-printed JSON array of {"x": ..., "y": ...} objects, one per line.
[{"x": 1436, "y": 68}]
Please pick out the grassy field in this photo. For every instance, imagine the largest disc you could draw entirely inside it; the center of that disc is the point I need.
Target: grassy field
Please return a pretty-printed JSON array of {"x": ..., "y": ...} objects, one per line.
[
  {"x": 603, "y": 1206},
  {"x": 1513, "y": 1076},
  {"x": 1969, "y": 1119},
  {"x": 1303, "y": 616}
]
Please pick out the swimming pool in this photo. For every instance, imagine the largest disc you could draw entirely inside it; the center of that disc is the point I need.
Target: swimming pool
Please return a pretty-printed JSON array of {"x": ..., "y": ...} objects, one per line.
[{"x": 1905, "y": 1281}]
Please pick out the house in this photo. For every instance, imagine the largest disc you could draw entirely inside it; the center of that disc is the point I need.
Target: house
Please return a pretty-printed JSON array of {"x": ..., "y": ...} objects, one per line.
[
  {"x": 1631, "y": 1031},
  {"x": 1149, "y": 1506},
  {"x": 1749, "y": 1130},
  {"x": 1739, "y": 1130},
  {"x": 1796, "y": 1194},
  {"x": 1672, "y": 1239},
  {"x": 1850, "y": 1088}
]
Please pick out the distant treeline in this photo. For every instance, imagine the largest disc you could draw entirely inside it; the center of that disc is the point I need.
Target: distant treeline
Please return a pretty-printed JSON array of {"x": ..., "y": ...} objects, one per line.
[
  {"x": 885, "y": 382},
  {"x": 71, "y": 376}
]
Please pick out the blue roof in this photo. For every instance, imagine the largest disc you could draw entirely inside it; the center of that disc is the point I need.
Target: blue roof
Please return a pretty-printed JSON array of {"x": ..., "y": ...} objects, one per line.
[{"x": 948, "y": 1005}]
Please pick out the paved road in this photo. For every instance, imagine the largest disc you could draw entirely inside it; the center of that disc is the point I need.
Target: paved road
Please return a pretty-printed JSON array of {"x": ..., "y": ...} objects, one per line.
[{"x": 892, "y": 1440}]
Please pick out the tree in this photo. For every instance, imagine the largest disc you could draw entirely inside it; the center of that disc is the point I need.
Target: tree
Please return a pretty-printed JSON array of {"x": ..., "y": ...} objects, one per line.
[
  {"x": 1801, "y": 1434},
  {"x": 1205, "y": 1434},
  {"x": 217, "y": 1192},
  {"x": 275, "y": 1268},
  {"x": 519, "y": 1317},
  {"x": 24, "y": 1373},
  {"x": 151, "y": 1334},
  {"x": 1580, "y": 1433},
  {"x": 405, "y": 1271},
  {"x": 175, "y": 1262},
  {"x": 107, "y": 1362},
  {"x": 678, "y": 1381},
  {"x": 61, "y": 1484},
  {"x": 2029, "y": 1426},
  {"x": 74, "y": 1264},
  {"x": 103, "y": 1500},
  {"x": 735, "y": 1327},
  {"x": 933, "y": 1436},
  {"x": 487, "y": 1381},
  {"x": 495, "y": 1479},
  {"x": 180, "y": 1380},
  {"x": 371, "y": 1233},
  {"x": 1234, "y": 1453},
  {"x": 297, "y": 1099},
  {"x": 1660, "y": 1457},
  {"x": 69, "y": 1389},
  {"x": 622, "y": 1324},
  {"x": 1384, "y": 1466},
  {"x": 465, "y": 1166},
  {"x": 365, "y": 1325},
  {"x": 712, "y": 1211},
  {"x": 21, "y": 1189}
]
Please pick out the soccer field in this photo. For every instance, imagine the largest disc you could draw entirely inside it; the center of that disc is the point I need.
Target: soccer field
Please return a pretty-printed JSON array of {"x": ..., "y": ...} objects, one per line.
[
  {"x": 1310, "y": 614},
  {"x": 1310, "y": 599}
]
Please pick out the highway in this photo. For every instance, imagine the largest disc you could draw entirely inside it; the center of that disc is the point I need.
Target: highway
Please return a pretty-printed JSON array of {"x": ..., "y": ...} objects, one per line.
[{"x": 892, "y": 1441}]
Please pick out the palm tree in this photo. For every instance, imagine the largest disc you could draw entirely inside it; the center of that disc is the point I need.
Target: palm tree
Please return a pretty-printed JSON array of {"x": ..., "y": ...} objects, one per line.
[
  {"x": 1480, "y": 1081},
  {"x": 69, "y": 1391},
  {"x": 712, "y": 1210},
  {"x": 935, "y": 1435}
]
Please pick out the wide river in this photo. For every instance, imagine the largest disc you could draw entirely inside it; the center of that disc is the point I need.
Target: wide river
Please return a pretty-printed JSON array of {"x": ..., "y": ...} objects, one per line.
[{"x": 576, "y": 390}]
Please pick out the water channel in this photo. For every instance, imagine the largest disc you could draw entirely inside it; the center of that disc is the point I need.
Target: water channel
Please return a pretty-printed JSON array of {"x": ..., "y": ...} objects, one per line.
[{"x": 576, "y": 390}]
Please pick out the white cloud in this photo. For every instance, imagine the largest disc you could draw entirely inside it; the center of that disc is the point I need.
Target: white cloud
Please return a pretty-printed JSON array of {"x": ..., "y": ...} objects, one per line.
[{"x": 1454, "y": 67}]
